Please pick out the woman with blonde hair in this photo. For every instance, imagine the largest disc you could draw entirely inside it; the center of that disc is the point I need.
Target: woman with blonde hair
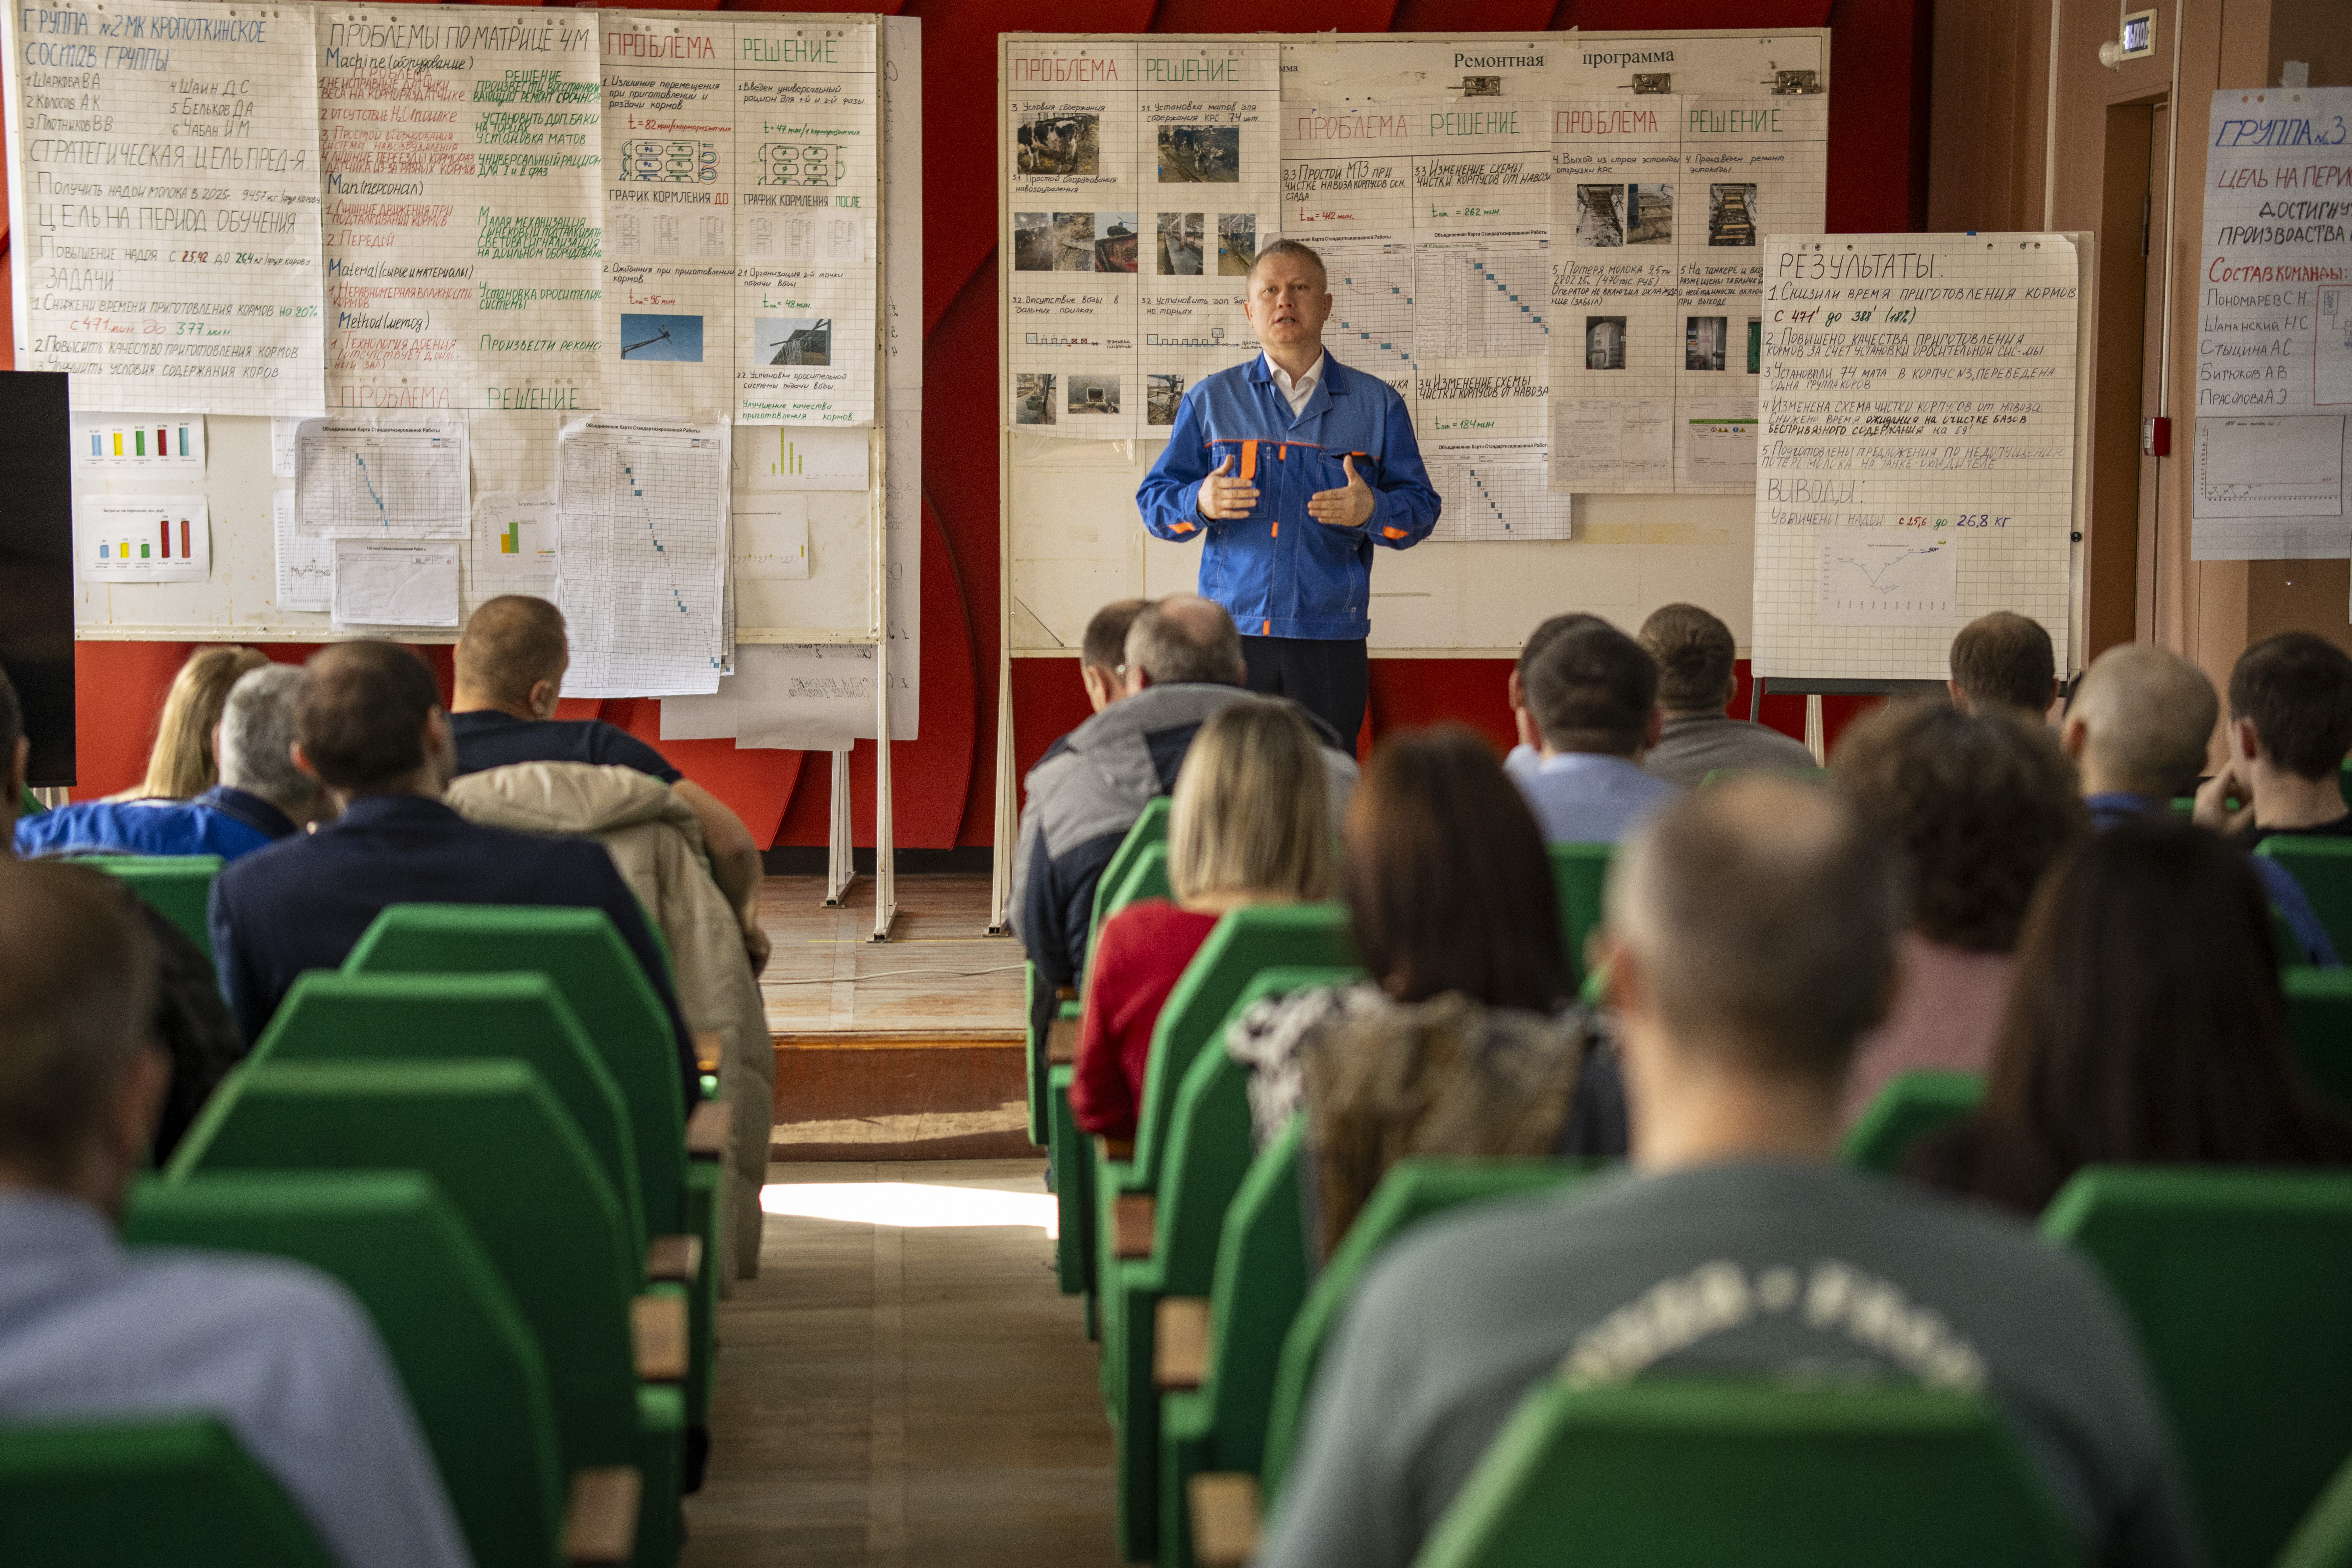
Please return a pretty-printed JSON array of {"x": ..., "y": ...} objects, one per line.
[
  {"x": 182, "y": 766},
  {"x": 1250, "y": 823}
]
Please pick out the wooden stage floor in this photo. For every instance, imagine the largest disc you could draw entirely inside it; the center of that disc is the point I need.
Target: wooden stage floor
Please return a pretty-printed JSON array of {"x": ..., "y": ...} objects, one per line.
[{"x": 905, "y": 1050}]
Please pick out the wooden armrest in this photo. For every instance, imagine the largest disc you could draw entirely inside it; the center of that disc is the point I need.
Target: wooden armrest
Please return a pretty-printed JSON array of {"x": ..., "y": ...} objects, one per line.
[
  {"x": 710, "y": 1046},
  {"x": 658, "y": 1328},
  {"x": 1065, "y": 993},
  {"x": 1134, "y": 1213},
  {"x": 706, "y": 1131},
  {"x": 1062, "y": 1042},
  {"x": 599, "y": 1519},
  {"x": 674, "y": 1257},
  {"x": 1115, "y": 1148},
  {"x": 1180, "y": 1342},
  {"x": 1224, "y": 1519}
]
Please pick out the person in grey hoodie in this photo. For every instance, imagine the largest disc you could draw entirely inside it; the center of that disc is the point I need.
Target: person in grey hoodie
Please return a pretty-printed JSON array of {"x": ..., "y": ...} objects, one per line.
[{"x": 1183, "y": 664}]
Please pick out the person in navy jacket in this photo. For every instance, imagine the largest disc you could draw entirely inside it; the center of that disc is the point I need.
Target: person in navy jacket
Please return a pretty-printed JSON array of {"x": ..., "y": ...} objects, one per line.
[{"x": 1290, "y": 469}]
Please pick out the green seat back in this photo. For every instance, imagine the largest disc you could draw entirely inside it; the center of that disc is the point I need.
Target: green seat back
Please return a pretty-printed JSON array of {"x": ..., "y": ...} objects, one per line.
[
  {"x": 179, "y": 887},
  {"x": 2319, "y": 1024},
  {"x": 2323, "y": 1539},
  {"x": 1246, "y": 941},
  {"x": 501, "y": 1145},
  {"x": 468, "y": 1360},
  {"x": 1261, "y": 1278},
  {"x": 1147, "y": 878},
  {"x": 2236, "y": 1281},
  {"x": 2323, "y": 867},
  {"x": 421, "y": 1018},
  {"x": 1581, "y": 873},
  {"x": 1150, "y": 828},
  {"x": 125, "y": 1494},
  {"x": 1412, "y": 1191},
  {"x": 608, "y": 992},
  {"x": 1908, "y": 1107},
  {"x": 1677, "y": 1473}
]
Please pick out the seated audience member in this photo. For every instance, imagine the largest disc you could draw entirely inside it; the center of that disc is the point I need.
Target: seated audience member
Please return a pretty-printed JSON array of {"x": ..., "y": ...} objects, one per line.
[
  {"x": 510, "y": 663},
  {"x": 261, "y": 797},
  {"x": 1593, "y": 693},
  {"x": 2003, "y": 660},
  {"x": 190, "y": 1021},
  {"x": 1528, "y": 750},
  {"x": 1694, "y": 654},
  {"x": 182, "y": 766},
  {"x": 1102, "y": 653},
  {"x": 1750, "y": 943},
  {"x": 369, "y": 726},
  {"x": 2136, "y": 732},
  {"x": 2144, "y": 1026},
  {"x": 1977, "y": 806},
  {"x": 2290, "y": 725},
  {"x": 1183, "y": 664},
  {"x": 282, "y": 1356},
  {"x": 1250, "y": 824},
  {"x": 1465, "y": 1040}
]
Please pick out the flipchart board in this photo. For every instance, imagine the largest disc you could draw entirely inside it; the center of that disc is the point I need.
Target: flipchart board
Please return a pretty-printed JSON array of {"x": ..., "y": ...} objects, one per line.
[{"x": 1548, "y": 243}]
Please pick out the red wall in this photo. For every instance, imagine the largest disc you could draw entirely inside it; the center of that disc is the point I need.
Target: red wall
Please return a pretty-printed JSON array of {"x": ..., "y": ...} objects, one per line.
[{"x": 946, "y": 781}]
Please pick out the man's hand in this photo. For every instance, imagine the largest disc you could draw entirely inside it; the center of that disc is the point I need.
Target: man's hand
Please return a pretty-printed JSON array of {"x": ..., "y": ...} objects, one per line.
[
  {"x": 2213, "y": 803},
  {"x": 1224, "y": 499},
  {"x": 755, "y": 946},
  {"x": 1349, "y": 508}
]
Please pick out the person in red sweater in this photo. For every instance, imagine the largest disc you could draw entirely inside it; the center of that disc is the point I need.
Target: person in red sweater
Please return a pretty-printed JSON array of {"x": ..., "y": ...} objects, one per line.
[{"x": 1250, "y": 823}]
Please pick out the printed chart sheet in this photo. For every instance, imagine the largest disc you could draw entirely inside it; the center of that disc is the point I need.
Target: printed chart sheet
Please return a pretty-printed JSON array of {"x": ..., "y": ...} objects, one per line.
[
  {"x": 742, "y": 203},
  {"x": 382, "y": 477},
  {"x": 1141, "y": 180},
  {"x": 1659, "y": 204},
  {"x": 1433, "y": 219},
  {"x": 305, "y": 568},
  {"x": 2274, "y": 330},
  {"x": 461, "y": 151},
  {"x": 641, "y": 525},
  {"x": 1915, "y": 466},
  {"x": 164, "y": 179},
  {"x": 142, "y": 539}
]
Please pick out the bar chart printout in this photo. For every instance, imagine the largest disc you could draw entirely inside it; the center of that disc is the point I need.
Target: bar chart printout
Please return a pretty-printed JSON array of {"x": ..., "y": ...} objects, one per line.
[
  {"x": 142, "y": 539},
  {"x": 513, "y": 544},
  {"x": 155, "y": 441},
  {"x": 382, "y": 477},
  {"x": 641, "y": 518}
]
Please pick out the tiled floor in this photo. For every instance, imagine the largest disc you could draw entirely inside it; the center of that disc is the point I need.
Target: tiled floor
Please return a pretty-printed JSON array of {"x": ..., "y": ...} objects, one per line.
[
  {"x": 939, "y": 973},
  {"x": 892, "y": 1393}
]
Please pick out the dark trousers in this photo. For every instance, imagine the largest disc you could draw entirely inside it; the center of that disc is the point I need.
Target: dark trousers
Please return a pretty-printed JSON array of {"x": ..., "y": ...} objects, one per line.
[{"x": 1332, "y": 681}]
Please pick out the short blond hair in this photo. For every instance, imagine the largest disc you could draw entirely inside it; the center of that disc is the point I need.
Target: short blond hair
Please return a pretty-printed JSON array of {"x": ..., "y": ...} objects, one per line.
[
  {"x": 1253, "y": 808},
  {"x": 2148, "y": 716},
  {"x": 182, "y": 766}
]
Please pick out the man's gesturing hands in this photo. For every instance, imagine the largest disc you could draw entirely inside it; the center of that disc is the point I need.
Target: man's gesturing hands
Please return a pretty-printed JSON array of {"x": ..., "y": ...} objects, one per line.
[
  {"x": 1348, "y": 507},
  {"x": 1224, "y": 499}
]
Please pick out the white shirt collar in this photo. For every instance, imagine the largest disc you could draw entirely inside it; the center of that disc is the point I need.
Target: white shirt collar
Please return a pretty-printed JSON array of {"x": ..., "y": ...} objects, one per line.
[{"x": 1296, "y": 392}]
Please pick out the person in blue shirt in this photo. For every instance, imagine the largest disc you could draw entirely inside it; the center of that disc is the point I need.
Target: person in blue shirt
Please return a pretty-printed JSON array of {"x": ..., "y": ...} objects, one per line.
[
  {"x": 261, "y": 797},
  {"x": 1593, "y": 693},
  {"x": 369, "y": 727},
  {"x": 1291, "y": 469}
]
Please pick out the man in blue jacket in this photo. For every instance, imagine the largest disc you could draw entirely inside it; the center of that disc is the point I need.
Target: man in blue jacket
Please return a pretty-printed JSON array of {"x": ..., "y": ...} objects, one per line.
[{"x": 1293, "y": 437}]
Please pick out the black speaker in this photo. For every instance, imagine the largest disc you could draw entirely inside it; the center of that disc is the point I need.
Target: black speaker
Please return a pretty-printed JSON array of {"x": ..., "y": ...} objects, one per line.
[{"x": 37, "y": 574}]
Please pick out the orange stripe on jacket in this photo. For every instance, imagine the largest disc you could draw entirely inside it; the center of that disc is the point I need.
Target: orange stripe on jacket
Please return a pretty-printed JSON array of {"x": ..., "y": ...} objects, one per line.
[{"x": 1249, "y": 460}]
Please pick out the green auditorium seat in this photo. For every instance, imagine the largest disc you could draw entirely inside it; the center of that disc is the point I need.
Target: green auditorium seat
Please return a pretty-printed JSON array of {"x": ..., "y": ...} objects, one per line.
[
  {"x": 1581, "y": 874},
  {"x": 1411, "y": 1191},
  {"x": 1208, "y": 1155},
  {"x": 1150, "y": 828},
  {"x": 152, "y": 1494},
  {"x": 1670, "y": 1472},
  {"x": 1213, "y": 1437},
  {"x": 507, "y": 1155},
  {"x": 1035, "y": 1042},
  {"x": 2323, "y": 1539},
  {"x": 1906, "y": 1109},
  {"x": 2236, "y": 1281},
  {"x": 2319, "y": 1023},
  {"x": 2323, "y": 867},
  {"x": 179, "y": 887},
  {"x": 468, "y": 1361}
]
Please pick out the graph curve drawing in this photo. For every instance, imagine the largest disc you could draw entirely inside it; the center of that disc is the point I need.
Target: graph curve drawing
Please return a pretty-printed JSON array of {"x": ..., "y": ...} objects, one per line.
[{"x": 1886, "y": 577}]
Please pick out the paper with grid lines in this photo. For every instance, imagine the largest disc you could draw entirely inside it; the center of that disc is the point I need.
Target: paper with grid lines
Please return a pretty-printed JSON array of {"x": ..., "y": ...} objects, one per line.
[
  {"x": 642, "y": 550},
  {"x": 164, "y": 172},
  {"x": 1916, "y": 468},
  {"x": 1658, "y": 202}
]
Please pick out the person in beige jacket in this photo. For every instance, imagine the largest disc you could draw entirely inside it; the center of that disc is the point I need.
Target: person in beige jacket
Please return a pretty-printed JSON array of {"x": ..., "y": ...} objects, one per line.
[{"x": 656, "y": 843}]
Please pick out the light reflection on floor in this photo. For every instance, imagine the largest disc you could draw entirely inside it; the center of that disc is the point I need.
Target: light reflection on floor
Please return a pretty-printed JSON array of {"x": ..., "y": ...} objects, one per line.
[{"x": 914, "y": 1204}]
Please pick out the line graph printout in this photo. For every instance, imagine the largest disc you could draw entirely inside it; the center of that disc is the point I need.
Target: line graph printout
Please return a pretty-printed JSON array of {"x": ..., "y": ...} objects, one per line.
[
  {"x": 1659, "y": 204},
  {"x": 1141, "y": 180},
  {"x": 460, "y": 152},
  {"x": 407, "y": 584},
  {"x": 642, "y": 548},
  {"x": 1915, "y": 466},
  {"x": 388, "y": 475},
  {"x": 165, "y": 183},
  {"x": 2274, "y": 329},
  {"x": 305, "y": 567}
]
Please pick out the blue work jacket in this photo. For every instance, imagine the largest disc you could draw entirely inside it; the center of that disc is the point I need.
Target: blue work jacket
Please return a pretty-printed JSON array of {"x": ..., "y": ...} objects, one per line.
[{"x": 1314, "y": 580}]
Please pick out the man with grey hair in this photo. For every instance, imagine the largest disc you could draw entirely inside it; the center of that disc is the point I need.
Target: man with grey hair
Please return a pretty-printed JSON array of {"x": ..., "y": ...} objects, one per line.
[
  {"x": 1750, "y": 943},
  {"x": 279, "y": 1354},
  {"x": 261, "y": 797},
  {"x": 1184, "y": 662},
  {"x": 1293, "y": 437}
]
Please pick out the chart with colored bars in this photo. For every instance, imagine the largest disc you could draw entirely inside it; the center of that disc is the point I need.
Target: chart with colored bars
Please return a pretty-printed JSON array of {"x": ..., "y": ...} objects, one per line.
[
  {"x": 1489, "y": 303},
  {"x": 1371, "y": 322},
  {"x": 644, "y": 507},
  {"x": 1491, "y": 501},
  {"x": 175, "y": 441},
  {"x": 1880, "y": 577}
]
